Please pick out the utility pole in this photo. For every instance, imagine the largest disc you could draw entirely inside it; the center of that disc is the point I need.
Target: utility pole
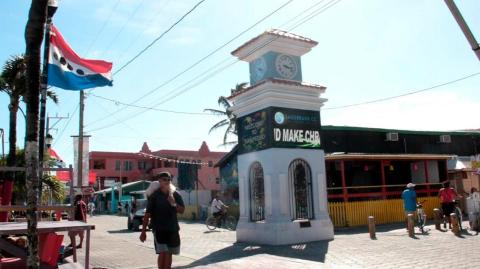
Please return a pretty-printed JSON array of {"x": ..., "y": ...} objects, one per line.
[
  {"x": 464, "y": 27},
  {"x": 80, "y": 141},
  {"x": 58, "y": 118}
]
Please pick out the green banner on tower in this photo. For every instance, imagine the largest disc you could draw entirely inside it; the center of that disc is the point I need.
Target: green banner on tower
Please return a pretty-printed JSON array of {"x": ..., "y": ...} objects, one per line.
[{"x": 276, "y": 127}]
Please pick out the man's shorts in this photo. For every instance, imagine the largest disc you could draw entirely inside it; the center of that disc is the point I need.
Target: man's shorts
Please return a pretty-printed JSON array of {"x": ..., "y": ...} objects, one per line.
[
  {"x": 448, "y": 209},
  {"x": 414, "y": 213},
  {"x": 164, "y": 246}
]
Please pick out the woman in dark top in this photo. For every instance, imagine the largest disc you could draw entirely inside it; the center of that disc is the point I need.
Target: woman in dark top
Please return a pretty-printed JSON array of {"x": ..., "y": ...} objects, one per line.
[
  {"x": 80, "y": 214},
  {"x": 163, "y": 206}
]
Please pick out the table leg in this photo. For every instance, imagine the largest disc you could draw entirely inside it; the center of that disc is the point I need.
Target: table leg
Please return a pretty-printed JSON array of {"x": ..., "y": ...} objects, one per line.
[
  {"x": 87, "y": 250},
  {"x": 74, "y": 248}
]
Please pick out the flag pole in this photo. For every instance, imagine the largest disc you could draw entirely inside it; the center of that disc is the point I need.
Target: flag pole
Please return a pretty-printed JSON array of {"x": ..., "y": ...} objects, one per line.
[{"x": 52, "y": 8}]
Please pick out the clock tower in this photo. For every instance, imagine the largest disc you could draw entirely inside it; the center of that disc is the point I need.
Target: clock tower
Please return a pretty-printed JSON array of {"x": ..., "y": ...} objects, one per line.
[{"x": 281, "y": 164}]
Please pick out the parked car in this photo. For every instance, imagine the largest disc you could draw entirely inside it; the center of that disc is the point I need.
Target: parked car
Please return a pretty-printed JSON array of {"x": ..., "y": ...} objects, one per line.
[{"x": 135, "y": 216}]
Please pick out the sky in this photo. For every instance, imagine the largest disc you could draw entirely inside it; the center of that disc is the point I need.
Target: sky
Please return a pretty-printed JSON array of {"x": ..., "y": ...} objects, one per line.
[{"x": 367, "y": 50}]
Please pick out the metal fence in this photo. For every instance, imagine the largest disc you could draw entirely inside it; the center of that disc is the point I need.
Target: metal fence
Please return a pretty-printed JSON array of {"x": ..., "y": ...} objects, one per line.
[{"x": 347, "y": 214}]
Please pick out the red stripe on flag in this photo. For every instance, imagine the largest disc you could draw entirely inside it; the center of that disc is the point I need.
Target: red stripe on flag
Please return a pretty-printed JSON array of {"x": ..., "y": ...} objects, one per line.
[
  {"x": 65, "y": 176},
  {"x": 99, "y": 66}
]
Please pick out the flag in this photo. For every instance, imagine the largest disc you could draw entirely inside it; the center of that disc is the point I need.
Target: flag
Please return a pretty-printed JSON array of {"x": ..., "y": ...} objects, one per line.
[
  {"x": 58, "y": 160},
  {"x": 68, "y": 71}
]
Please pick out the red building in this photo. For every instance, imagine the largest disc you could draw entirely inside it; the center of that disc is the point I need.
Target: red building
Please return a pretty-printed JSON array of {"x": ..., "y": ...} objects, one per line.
[{"x": 112, "y": 167}]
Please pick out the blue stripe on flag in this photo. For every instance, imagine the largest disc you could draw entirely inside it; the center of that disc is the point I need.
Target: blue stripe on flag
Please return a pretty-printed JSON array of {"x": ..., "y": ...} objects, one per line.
[{"x": 69, "y": 81}]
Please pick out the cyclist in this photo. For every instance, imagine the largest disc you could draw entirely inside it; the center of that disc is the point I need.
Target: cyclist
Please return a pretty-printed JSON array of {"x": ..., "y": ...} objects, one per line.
[
  {"x": 447, "y": 197},
  {"x": 409, "y": 197},
  {"x": 219, "y": 209}
]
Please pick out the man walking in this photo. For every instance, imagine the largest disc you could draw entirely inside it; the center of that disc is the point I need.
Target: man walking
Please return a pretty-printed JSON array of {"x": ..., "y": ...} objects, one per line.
[{"x": 163, "y": 206}]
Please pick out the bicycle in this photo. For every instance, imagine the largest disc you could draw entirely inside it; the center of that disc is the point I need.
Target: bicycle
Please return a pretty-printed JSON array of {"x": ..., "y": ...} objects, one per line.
[
  {"x": 229, "y": 222},
  {"x": 421, "y": 216},
  {"x": 457, "y": 212}
]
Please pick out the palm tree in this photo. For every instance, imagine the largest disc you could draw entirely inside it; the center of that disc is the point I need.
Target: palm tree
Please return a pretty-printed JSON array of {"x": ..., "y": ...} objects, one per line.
[
  {"x": 34, "y": 31},
  {"x": 230, "y": 118},
  {"x": 12, "y": 82}
]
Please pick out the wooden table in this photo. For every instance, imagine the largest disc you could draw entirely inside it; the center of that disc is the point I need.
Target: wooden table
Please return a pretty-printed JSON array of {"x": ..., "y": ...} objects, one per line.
[{"x": 10, "y": 228}]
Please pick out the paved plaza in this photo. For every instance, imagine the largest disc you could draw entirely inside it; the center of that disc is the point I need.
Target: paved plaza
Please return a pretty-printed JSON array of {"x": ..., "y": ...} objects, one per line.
[{"x": 113, "y": 246}]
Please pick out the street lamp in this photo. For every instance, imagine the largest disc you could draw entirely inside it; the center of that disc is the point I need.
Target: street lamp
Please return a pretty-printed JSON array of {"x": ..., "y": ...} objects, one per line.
[
  {"x": 52, "y": 8},
  {"x": 48, "y": 140}
]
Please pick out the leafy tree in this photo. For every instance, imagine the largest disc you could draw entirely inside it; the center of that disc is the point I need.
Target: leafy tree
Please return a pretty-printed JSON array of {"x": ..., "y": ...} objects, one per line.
[
  {"x": 230, "y": 119},
  {"x": 12, "y": 82}
]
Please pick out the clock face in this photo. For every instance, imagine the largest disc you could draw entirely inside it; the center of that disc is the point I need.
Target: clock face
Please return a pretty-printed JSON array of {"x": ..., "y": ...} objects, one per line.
[
  {"x": 286, "y": 66},
  {"x": 259, "y": 68}
]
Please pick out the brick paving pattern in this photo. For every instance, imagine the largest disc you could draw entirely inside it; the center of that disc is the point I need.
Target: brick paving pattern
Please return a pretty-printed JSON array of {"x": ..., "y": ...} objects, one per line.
[{"x": 114, "y": 247}]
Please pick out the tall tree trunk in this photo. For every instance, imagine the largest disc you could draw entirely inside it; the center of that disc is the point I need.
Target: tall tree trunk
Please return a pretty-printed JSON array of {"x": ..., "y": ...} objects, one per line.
[
  {"x": 34, "y": 31},
  {"x": 12, "y": 155}
]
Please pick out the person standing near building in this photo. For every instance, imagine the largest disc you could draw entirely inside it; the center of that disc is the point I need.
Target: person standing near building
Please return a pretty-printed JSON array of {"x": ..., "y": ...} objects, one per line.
[
  {"x": 163, "y": 206},
  {"x": 91, "y": 208},
  {"x": 80, "y": 214},
  {"x": 447, "y": 197},
  {"x": 409, "y": 197}
]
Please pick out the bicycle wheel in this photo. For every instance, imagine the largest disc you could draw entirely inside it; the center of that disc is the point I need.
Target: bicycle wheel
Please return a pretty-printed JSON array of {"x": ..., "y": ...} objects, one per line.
[
  {"x": 231, "y": 223},
  {"x": 211, "y": 223},
  {"x": 458, "y": 212},
  {"x": 420, "y": 221}
]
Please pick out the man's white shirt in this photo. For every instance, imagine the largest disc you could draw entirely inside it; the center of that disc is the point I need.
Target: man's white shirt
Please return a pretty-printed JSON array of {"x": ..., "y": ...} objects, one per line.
[{"x": 217, "y": 205}]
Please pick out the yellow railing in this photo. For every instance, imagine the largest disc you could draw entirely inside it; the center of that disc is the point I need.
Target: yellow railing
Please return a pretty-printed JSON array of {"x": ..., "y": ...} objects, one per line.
[{"x": 345, "y": 214}]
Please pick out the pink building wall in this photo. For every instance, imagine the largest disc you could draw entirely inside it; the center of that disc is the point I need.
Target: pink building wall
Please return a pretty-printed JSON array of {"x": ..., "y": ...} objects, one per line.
[{"x": 208, "y": 175}]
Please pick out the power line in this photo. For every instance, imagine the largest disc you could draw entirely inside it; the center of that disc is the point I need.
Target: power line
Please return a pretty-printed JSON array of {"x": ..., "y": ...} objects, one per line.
[
  {"x": 149, "y": 108},
  {"x": 216, "y": 72},
  {"x": 317, "y": 12},
  {"x": 158, "y": 38},
  {"x": 66, "y": 125},
  {"x": 150, "y": 21},
  {"x": 199, "y": 61},
  {"x": 405, "y": 94},
  {"x": 103, "y": 27},
  {"x": 124, "y": 25}
]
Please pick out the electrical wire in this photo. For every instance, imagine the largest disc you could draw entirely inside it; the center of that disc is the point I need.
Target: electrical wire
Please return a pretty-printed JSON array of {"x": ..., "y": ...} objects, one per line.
[
  {"x": 150, "y": 108},
  {"x": 197, "y": 62},
  {"x": 123, "y": 26},
  {"x": 216, "y": 72},
  {"x": 158, "y": 38},
  {"x": 405, "y": 94}
]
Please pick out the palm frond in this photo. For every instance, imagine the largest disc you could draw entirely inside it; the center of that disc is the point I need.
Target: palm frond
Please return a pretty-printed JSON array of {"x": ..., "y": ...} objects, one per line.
[
  {"x": 53, "y": 96},
  {"x": 219, "y": 124},
  {"x": 223, "y": 101}
]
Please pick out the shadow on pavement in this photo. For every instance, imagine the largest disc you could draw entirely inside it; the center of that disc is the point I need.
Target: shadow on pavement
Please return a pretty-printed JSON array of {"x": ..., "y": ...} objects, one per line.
[{"x": 313, "y": 251}]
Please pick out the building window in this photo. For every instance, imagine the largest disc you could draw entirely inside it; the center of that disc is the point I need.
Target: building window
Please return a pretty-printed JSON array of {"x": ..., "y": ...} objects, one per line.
[
  {"x": 210, "y": 163},
  {"x": 142, "y": 165},
  {"x": 118, "y": 164},
  {"x": 128, "y": 165},
  {"x": 99, "y": 164},
  {"x": 257, "y": 192},
  {"x": 199, "y": 164},
  {"x": 301, "y": 196},
  {"x": 217, "y": 180}
]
